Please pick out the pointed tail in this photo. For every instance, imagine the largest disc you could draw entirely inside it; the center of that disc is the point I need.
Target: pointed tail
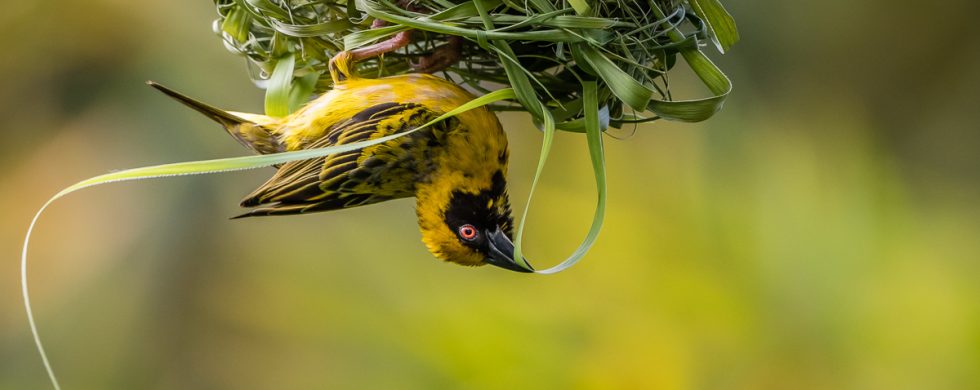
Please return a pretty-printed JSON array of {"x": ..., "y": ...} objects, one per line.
[
  {"x": 248, "y": 133},
  {"x": 221, "y": 116}
]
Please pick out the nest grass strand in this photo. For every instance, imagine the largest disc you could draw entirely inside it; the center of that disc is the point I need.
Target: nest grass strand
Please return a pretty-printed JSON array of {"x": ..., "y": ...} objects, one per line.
[{"x": 626, "y": 46}]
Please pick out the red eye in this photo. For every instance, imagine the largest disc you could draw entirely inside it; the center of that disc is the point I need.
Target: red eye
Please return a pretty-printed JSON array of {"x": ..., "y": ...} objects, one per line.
[{"x": 468, "y": 232}]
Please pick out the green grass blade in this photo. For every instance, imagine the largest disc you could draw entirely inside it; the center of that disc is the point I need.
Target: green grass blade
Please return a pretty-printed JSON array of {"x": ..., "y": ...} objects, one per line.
[
  {"x": 277, "y": 90},
  {"x": 301, "y": 90},
  {"x": 581, "y": 6},
  {"x": 268, "y": 7},
  {"x": 548, "y": 127},
  {"x": 716, "y": 81},
  {"x": 543, "y": 6},
  {"x": 363, "y": 37},
  {"x": 206, "y": 167},
  {"x": 252, "y": 162},
  {"x": 624, "y": 86},
  {"x": 723, "y": 31},
  {"x": 26, "y": 296},
  {"x": 237, "y": 23},
  {"x": 516, "y": 74},
  {"x": 593, "y": 132},
  {"x": 311, "y": 30},
  {"x": 538, "y": 109},
  {"x": 570, "y": 21},
  {"x": 375, "y": 9}
]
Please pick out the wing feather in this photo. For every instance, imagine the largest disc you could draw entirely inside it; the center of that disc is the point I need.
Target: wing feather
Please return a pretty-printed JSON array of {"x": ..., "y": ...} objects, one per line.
[{"x": 352, "y": 178}]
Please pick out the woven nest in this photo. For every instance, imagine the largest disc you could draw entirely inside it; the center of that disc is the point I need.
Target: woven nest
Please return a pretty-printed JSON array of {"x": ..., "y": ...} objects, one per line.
[{"x": 543, "y": 48}]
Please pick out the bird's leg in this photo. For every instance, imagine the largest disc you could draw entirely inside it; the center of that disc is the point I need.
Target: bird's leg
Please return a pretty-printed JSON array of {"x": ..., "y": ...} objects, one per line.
[
  {"x": 399, "y": 41},
  {"x": 342, "y": 61},
  {"x": 442, "y": 57}
]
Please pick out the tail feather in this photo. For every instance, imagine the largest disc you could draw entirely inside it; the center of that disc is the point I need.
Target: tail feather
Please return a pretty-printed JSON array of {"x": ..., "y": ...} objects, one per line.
[
  {"x": 248, "y": 133},
  {"x": 221, "y": 116}
]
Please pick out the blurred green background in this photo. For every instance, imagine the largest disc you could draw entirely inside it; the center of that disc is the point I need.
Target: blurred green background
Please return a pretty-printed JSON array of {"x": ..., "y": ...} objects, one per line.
[{"x": 820, "y": 232}]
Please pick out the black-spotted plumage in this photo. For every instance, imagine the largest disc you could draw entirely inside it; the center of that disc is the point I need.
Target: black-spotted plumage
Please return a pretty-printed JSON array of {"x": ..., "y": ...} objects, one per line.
[
  {"x": 374, "y": 174},
  {"x": 455, "y": 169}
]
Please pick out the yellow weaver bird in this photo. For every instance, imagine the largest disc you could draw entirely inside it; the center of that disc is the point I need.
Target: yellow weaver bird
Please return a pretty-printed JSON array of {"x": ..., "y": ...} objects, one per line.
[{"x": 455, "y": 169}]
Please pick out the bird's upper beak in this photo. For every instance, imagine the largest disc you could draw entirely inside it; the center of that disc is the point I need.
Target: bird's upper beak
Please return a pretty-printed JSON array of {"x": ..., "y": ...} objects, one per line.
[{"x": 502, "y": 252}]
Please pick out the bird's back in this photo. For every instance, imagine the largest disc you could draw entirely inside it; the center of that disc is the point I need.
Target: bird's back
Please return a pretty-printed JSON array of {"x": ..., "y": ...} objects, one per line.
[
  {"x": 362, "y": 109},
  {"x": 352, "y": 96},
  {"x": 358, "y": 110}
]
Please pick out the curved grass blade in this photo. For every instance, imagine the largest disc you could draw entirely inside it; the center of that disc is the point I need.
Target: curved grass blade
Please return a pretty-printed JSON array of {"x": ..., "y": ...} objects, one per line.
[
  {"x": 721, "y": 24},
  {"x": 268, "y": 7},
  {"x": 213, "y": 166},
  {"x": 299, "y": 93},
  {"x": 709, "y": 73},
  {"x": 548, "y": 127},
  {"x": 698, "y": 109},
  {"x": 624, "y": 86},
  {"x": 311, "y": 30},
  {"x": 539, "y": 110},
  {"x": 581, "y": 6},
  {"x": 555, "y": 35},
  {"x": 236, "y": 24},
  {"x": 554, "y": 19},
  {"x": 593, "y": 133},
  {"x": 361, "y": 38},
  {"x": 355, "y": 40}
]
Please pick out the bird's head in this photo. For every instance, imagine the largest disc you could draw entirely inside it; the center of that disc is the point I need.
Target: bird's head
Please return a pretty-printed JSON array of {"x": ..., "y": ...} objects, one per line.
[{"x": 466, "y": 220}]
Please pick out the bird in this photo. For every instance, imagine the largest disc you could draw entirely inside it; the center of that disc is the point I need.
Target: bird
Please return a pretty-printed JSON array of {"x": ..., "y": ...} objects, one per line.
[{"x": 456, "y": 169}]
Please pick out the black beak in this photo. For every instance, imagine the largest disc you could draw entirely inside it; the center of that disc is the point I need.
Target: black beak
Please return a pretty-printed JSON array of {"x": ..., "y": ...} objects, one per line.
[{"x": 502, "y": 252}]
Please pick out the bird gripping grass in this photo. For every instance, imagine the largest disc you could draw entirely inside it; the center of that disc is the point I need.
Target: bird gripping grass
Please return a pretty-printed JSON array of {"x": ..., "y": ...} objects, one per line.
[
  {"x": 544, "y": 49},
  {"x": 573, "y": 65}
]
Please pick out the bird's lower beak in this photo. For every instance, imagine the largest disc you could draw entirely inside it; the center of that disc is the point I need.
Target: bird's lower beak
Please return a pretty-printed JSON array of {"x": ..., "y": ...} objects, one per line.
[{"x": 502, "y": 253}]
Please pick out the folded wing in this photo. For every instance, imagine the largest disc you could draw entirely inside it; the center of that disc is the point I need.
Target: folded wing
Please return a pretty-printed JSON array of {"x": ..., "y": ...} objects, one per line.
[{"x": 374, "y": 174}]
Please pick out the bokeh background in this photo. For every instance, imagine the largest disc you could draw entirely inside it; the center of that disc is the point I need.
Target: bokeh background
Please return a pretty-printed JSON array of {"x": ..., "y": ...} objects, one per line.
[{"x": 820, "y": 232}]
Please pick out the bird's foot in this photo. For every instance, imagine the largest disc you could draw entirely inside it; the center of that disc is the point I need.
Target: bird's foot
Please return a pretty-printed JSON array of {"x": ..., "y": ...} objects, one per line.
[
  {"x": 442, "y": 57},
  {"x": 341, "y": 64}
]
